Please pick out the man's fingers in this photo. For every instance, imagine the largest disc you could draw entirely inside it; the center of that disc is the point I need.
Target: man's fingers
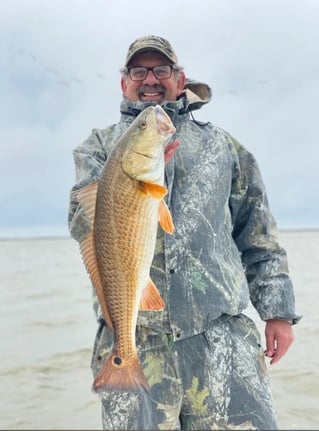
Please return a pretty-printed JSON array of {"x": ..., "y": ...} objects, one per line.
[{"x": 279, "y": 337}]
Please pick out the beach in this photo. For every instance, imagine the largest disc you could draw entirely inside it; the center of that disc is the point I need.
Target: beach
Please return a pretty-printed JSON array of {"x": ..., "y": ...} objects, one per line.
[{"x": 48, "y": 328}]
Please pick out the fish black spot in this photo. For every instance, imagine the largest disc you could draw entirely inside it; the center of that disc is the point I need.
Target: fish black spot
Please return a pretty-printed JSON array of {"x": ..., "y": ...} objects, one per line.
[{"x": 117, "y": 360}]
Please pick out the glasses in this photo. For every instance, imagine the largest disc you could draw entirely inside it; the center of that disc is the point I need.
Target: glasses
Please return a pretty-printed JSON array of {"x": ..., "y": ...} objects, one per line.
[{"x": 139, "y": 73}]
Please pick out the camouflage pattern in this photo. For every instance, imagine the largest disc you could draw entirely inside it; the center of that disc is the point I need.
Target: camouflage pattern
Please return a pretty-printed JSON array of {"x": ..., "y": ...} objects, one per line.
[
  {"x": 207, "y": 366},
  {"x": 151, "y": 43},
  {"x": 215, "y": 380}
]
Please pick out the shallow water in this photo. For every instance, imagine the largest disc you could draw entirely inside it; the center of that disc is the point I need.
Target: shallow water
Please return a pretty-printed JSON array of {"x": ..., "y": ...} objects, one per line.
[{"x": 48, "y": 327}]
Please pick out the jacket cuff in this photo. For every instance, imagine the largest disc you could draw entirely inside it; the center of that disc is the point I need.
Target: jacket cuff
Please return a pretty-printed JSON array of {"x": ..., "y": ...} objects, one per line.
[{"x": 293, "y": 320}]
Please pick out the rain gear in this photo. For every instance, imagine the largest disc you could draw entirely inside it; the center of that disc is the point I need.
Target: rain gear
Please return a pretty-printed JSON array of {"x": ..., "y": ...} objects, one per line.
[{"x": 224, "y": 253}]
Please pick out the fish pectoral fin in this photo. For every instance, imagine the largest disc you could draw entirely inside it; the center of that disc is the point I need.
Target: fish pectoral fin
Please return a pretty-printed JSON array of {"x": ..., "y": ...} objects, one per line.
[
  {"x": 151, "y": 298},
  {"x": 87, "y": 198},
  {"x": 89, "y": 258},
  {"x": 153, "y": 190},
  {"x": 165, "y": 217}
]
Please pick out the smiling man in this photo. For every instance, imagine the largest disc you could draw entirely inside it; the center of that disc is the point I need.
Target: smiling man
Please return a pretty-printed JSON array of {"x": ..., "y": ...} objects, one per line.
[
  {"x": 151, "y": 77},
  {"x": 202, "y": 356}
]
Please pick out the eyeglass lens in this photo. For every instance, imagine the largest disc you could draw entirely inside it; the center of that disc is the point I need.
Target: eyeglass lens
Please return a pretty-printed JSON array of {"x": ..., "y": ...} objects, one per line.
[{"x": 138, "y": 73}]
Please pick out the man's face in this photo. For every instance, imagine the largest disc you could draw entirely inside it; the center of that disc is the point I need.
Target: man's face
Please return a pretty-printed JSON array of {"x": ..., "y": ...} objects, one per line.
[{"x": 152, "y": 89}]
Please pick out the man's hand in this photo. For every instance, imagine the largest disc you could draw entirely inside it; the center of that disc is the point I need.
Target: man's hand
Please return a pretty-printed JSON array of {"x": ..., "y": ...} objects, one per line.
[
  {"x": 170, "y": 149},
  {"x": 279, "y": 337}
]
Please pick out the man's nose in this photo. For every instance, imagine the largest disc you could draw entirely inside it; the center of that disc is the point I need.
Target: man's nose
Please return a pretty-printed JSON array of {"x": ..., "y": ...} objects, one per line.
[{"x": 150, "y": 78}]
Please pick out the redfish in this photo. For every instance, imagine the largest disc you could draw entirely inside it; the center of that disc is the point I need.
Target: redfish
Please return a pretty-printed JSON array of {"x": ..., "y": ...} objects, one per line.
[{"x": 124, "y": 208}]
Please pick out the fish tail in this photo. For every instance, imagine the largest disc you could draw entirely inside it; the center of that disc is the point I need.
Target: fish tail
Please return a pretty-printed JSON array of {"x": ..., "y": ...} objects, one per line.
[{"x": 119, "y": 374}]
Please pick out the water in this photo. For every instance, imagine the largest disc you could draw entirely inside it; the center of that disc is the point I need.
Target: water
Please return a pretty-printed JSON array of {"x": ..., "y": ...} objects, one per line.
[{"x": 48, "y": 327}]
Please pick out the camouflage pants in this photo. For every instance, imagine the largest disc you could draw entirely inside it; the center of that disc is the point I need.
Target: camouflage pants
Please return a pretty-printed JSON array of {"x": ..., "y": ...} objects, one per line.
[{"x": 212, "y": 381}]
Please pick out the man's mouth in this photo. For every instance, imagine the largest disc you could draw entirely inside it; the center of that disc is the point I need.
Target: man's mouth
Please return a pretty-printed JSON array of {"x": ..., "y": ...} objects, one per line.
[{"x": 151, "y": 93}]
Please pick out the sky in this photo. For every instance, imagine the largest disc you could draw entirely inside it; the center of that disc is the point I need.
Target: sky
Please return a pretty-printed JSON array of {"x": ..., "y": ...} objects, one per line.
[{"x": 59, "y": 79}]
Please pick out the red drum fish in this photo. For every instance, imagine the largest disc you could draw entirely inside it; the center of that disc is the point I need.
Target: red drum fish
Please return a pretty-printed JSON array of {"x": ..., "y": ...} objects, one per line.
[{"x": 124, "y": 208}]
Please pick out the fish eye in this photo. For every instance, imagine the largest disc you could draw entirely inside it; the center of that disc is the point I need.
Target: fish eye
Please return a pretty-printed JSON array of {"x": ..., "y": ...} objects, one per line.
[{"x": 142, "y": 125}]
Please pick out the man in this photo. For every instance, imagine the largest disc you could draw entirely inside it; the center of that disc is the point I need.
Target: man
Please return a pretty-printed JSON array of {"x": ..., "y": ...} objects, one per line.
[{"x": 203, "y": 358}]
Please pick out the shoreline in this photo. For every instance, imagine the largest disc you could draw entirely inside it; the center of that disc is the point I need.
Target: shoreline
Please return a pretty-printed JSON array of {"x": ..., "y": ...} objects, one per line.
[{"x": 64, "y": 237}]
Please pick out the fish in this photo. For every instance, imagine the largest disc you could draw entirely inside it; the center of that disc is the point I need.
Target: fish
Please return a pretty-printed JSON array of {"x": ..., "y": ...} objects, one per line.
[{"x": 124, "y": 208}]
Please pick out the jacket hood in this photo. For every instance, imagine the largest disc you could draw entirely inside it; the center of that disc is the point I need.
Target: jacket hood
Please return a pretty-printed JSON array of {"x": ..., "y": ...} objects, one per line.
[{"x": 195, "y": 95}]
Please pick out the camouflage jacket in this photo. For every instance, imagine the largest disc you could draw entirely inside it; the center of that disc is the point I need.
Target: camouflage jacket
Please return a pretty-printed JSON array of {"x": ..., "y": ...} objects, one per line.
[{"x": 224, "y": 251}]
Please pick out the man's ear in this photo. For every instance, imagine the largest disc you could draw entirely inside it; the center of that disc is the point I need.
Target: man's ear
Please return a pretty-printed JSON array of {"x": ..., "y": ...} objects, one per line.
[
  {"x": 181, "y": 82},
  {"x": 123, "y": 85}
]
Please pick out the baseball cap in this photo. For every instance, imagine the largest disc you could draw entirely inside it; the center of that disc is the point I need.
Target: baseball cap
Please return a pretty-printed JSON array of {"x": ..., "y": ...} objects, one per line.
[{"x": 151, "y": 43}]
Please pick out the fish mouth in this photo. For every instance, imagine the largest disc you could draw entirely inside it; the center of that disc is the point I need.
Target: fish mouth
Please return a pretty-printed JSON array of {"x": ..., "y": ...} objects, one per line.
[{"x": 164, "y": 123}]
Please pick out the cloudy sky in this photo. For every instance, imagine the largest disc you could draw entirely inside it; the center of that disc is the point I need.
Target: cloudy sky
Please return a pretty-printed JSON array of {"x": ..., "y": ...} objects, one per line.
[{"x": 59, "y": 78}]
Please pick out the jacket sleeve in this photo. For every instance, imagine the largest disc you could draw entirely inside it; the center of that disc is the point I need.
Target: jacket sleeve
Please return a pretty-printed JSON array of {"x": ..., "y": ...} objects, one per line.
[
  {"x": 255, "y": 233},
  {"x": 89, "y": 159}
]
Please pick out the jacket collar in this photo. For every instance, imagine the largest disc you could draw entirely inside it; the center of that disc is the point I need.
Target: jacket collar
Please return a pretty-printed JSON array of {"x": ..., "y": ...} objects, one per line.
[{"x": 195, "y": 95}]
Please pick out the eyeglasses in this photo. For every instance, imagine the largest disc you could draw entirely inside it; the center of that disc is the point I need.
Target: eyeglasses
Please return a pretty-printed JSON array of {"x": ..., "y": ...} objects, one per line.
[{"x": 139, "y": 73}]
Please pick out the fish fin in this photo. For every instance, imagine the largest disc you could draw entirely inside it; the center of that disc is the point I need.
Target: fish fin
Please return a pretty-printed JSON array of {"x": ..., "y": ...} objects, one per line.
[
  {"x": 156, "y": 191},
  {"x": 165, "y": 218},
  {"x": 120, "y": 374},
  {"x": 87, "y": 247},
  {"x": 151, "y": 298},
  {"x": 87, "y": 198}
]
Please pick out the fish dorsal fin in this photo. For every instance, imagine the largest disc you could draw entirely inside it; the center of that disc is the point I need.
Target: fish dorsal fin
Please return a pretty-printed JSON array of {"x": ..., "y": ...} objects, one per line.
[
  {"x": 154, "y": 190},
  {"x": 151, "y": 298},
  {"x": 165, "y": 217},
  {"x": 87, "y": 198},
  {"x": 87, "y": 247}
]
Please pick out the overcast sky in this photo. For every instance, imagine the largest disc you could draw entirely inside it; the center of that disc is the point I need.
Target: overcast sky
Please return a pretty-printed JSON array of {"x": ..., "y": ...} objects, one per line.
[{"x": 59, "y": 78}]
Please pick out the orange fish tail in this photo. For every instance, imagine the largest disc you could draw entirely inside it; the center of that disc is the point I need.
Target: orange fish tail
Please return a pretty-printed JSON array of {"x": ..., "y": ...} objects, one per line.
[{"x": 119, "y": 374}]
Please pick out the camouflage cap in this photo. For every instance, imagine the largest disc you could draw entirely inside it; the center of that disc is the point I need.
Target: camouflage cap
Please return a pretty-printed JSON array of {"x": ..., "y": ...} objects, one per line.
[{"x": 151, "y": 43}]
